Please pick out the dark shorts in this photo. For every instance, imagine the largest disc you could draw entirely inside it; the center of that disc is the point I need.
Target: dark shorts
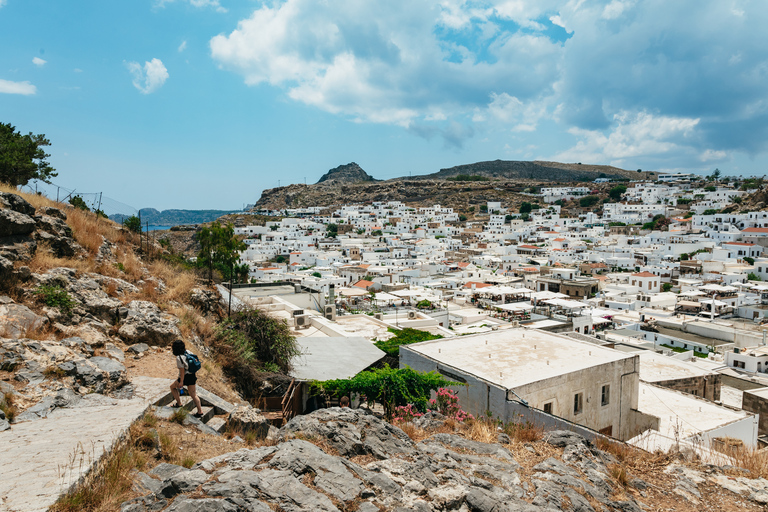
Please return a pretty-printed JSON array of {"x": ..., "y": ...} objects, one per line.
[{"x": 190, "y": 379}]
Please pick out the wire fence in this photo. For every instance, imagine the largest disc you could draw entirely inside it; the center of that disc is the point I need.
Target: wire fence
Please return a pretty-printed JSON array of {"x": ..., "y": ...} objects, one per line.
[{"x": 112, "y": 208}]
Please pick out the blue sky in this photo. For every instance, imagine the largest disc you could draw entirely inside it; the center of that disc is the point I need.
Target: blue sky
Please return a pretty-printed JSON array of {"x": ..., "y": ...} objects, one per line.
[{"x": 204, "y": 103}]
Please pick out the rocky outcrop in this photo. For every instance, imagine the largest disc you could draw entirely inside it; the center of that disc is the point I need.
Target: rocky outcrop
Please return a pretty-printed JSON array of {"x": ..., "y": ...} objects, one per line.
[
  {"x": 350, "y": 173},
  {"x": 245, "y": 418},
  {"x": 17, "y": 319},
  {"x": 143, "y": 322},
  {"x": 444, "y": 472},
  {"x": 207, "y": 301}
]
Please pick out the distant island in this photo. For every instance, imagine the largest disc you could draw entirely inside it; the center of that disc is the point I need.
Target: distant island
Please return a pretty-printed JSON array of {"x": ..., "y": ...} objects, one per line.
[{"x": 175, "y": 217}]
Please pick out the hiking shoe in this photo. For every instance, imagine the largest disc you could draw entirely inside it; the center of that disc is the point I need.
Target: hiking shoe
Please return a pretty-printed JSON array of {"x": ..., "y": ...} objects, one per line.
[
  {"x": 197, "y": 415},
  {"x": 175, "y": 406}
]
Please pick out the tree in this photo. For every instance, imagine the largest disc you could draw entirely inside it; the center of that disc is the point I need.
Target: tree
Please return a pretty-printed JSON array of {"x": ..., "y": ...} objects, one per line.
[
  {"x": 78, "y": 203},
  {"x": 587, "y": 201},
  {"x": 389, "y": 386},
  {"x": 133, "y": 223},
  {"x": 617, "y": 191},
  {"x": 404, "y": 336},
  {"x": 317, "y": 274},
  {"x": 716, "y": 174},
  {"x": 260, "y": 338},
  {"x": 22, "y": 157},
  {"x": 219, "y": 248},
  {"x": 753, "y": 277},
  {"x": 525, "y": 207}
]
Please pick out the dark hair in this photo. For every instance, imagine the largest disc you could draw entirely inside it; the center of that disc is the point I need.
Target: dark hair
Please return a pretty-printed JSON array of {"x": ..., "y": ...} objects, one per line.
[
  {"x": 178, "y": 348},
  {"x": 344, "y": 402}
]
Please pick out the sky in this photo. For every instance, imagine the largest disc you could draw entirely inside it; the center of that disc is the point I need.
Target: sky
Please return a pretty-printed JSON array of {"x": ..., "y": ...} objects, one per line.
[{"x": 202, "y": 104}]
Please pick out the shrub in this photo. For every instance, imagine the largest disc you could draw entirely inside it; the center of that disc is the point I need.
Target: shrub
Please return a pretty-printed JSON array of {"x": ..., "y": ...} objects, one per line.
[
  {"x": 467, "y": 177},
  {"x": 424, "y": 304},
  {"x": 78, "y": 203},
  {"x": 133, "y": 223},
  {"x": 390, "y": 387},
  {"x": 317, "y": 274},
  {"x": 404, "y": 336},
  {"x": 525, "y": 207},
  {"x": 754, "y": 277},
  {"x": 55, "y": 297},
  {"x": 587, "y": 201},
  {"x": 446, "y": 402},
  {"x": 259, "y": 338}
]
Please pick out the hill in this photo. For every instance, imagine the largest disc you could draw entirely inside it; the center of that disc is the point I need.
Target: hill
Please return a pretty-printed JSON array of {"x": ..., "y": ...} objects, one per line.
[
  {"x": 537, "y": 170},
  {"x": 350, "y": 173},
  {"x": 497, "y": 180}
]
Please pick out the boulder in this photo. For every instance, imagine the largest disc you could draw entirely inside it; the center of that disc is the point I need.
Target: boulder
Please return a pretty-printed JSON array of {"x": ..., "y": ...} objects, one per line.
[
  {"x": 206, "y": 301},
  {"x": 17, "y": 319},
  {"x": 562, "y": 438},
  {"x": 115, "y": 371},
  {"x": 351, "y": 432},
  {"x": 16, "y": 203},
  {"x": 112, "y": 350},
  {"x": 37, "y": 411},
  {"x": 15, "y": 223},
  {"x": 246, "y": 418},
  {"x": 53, "y": 212},
  {"x": 138, "y": 348},
  {"x": 145, "y": 323},
  {"x": 4, "y": 425}
]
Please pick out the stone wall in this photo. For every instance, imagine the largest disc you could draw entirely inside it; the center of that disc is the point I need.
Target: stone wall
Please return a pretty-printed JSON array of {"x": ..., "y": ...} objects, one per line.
[
  {"x": 758, "y": 405},
  {"x": 704, "y": 386}
]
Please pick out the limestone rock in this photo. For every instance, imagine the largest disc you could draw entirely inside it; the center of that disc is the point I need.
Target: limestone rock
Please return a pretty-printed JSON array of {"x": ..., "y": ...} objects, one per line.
[
  {"x": 15, "y": 223},
  {"x": 113, "y": 351},
  {"x": 145, "y": 323},
  {"x": 53, "y": 212},
  {"x": 343, "y": 428},
  {"x": 246, "y": 418},
  {"x": 206, "y": 301},
  {"x": 16, "y": 203},
  {"x": 138, "y": 348},
  {"x": 16, "y": 319}
]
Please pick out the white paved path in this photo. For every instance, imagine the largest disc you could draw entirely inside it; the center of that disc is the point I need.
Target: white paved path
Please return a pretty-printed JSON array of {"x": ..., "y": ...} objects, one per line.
[{"x": 40, "y": 460}]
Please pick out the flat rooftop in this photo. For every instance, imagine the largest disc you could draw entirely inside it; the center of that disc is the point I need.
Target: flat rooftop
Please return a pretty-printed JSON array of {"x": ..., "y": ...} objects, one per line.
[
  {"x": 683, "y": 413},
  {"x": 333, "y": 358},
  {"x": 516, "y": 357},
  {"x": 658, "y": 368},
  {"x": 687, "y": 336}
]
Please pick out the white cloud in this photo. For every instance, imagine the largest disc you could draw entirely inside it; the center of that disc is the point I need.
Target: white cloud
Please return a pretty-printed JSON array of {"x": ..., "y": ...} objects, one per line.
[
  {"x": 2, "y": 3},
  {"x": 37, "y": 61},
  {"x": 196, "y": 3},
  {"x": 77, "y": 70},
  {"x": 24, "y": 88},
  {"x": 596, "y": 68},
  {"x": 183, "y": 46},
  {"x": 149, "y": 78},
  {"x": 635, "y": 135}
]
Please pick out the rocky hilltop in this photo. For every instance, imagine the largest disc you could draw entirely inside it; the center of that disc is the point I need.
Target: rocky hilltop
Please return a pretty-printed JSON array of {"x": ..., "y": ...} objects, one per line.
[
  {"x": 350, "y": 173},
  {"x": 498, "y": 181},
  {"x": 538, "y": 170}
]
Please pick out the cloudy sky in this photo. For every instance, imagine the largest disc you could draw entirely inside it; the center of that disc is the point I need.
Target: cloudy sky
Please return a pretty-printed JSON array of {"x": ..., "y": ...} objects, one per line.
[{"x": 204, "y": 103}]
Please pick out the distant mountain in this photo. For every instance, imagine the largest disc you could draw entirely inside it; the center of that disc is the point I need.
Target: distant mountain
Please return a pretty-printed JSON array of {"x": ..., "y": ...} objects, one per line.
[
  {"x": 175, "y": 217},
  {"x": 537, "y": 170},
  {"x": 350, "y": 173}
]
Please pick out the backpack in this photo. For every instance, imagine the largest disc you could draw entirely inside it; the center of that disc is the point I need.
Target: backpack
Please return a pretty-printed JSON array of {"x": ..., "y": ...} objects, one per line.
[{"x": 193, "y": 362}]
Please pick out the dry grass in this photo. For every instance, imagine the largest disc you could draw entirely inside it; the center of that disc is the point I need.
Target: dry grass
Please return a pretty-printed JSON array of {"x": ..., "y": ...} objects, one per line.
[
  {"x": 525, "y": 432},
  {"x": 179, "y": 415},
  {"x": 111, "y": 483},
  {"x": 619, "y": 474},
  {"x": 621, "y": 451},
  {"x": 178, "y": 282},
  {"x": 8, "y": 406},
  {"x": 753, "y": 460},
  {"x": 44, "y": 332}
]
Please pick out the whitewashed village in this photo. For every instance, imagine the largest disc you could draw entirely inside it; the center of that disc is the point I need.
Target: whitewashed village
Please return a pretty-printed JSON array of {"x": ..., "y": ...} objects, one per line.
[{"x": 645, "y": 321}]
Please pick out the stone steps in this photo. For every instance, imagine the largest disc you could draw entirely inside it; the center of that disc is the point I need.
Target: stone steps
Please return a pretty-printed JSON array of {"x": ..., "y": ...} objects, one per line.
[{"x": 213, "y": 408}]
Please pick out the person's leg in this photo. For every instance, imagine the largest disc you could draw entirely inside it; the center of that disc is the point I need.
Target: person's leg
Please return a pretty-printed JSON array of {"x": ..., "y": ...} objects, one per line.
[
  {"x": 192, "y": 388},
  {"x": 175, "y": 392}
]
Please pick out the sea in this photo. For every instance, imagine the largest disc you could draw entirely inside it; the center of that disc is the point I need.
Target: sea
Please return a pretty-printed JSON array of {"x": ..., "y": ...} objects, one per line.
[{"x": 154, "y": 227}]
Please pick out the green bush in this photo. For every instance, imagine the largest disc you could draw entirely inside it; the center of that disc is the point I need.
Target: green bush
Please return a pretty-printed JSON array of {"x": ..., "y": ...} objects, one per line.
[
  {"x": 587, "y": 201},
  {"x": 56, "y": 297},
  {"x": 78, "y": 202},
  {"x": 260, "y": 339},
  {"x": 317, "y": 274},
  {"x": 424, "y": 304},
  {"x": 749, "y": 260},
  {"x": 754, "y": 277},
  {"x": 404, "y": 336},
  {"x": 133, "y": 223},
  {"x": 388, "y": 386}
]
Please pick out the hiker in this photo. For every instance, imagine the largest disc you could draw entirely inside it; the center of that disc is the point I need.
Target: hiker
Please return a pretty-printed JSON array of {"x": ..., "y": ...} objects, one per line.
[
  {"x": 186, "y": 378},
  {"x": 344, "y": 402}
]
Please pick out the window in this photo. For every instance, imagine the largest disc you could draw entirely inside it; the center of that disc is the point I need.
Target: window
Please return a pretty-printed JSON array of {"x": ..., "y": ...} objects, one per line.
[
  {"x": 605, "y": 395},
  {"x": 578, "y": 403},
  {"x": 548, "y": 407}
]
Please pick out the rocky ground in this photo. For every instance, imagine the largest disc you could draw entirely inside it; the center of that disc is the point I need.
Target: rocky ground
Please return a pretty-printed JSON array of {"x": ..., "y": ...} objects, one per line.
[{"x": 344, "y": 459}]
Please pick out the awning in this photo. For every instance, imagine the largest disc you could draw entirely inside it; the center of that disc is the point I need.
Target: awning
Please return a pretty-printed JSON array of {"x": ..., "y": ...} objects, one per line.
[
  {"x": 386, "y": 297},
  {"x": 517, "y": 306},
  {"x": 567, "y": 304},
  {"x": 545, "y": 295},
  {"x": 352, "y": 292},
  {"x": 688, "y": 304}
]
